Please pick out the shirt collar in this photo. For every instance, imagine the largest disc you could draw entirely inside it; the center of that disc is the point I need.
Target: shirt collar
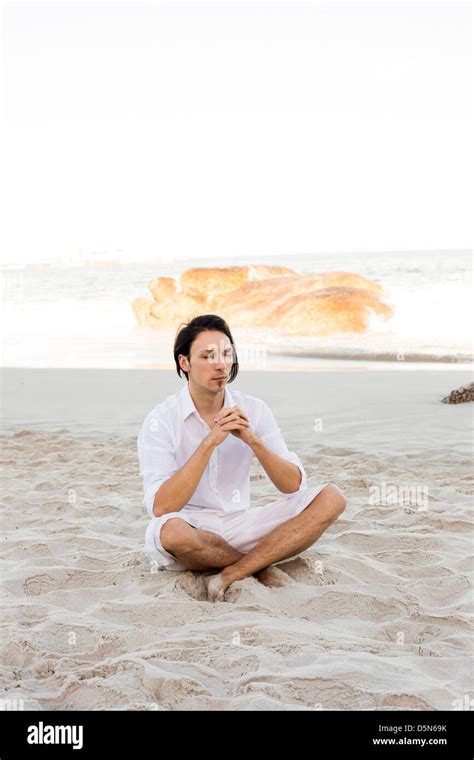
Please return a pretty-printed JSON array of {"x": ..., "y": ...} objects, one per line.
[{"x": 188, "y": 406}]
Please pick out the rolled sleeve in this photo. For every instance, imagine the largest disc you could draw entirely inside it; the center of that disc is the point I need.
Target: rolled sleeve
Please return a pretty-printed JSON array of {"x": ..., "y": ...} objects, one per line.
[
  {"x": 270, "y": 434},
  {"x": 156, "y": 457}
]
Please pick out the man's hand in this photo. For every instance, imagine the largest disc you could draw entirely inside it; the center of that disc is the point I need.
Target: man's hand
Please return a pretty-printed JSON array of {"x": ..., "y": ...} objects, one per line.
[{"x": 232, "y": 420}]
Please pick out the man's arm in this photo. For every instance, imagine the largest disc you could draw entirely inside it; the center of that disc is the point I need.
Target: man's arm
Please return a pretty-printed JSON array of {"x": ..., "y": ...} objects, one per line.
[
  {"x": 285, "y": 475},
  {"x": 175, "y": 492},
  {"x": 275, "y": 458}
]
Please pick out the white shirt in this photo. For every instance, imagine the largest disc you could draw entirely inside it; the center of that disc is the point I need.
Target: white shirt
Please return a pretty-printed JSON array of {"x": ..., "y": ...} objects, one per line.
[{"x": 173, "y": 430}]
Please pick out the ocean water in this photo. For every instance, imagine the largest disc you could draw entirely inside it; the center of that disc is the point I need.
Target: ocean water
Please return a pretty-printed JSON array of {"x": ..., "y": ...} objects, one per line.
[{"x": 81, "y": 316}]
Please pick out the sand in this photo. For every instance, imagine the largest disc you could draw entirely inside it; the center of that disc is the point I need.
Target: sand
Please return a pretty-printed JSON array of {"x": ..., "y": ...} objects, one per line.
[{"x": 378, "y": 617}]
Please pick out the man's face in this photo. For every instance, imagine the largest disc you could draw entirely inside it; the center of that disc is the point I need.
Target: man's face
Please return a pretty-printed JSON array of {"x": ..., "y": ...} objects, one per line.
[{"x": 211, "y": 357}]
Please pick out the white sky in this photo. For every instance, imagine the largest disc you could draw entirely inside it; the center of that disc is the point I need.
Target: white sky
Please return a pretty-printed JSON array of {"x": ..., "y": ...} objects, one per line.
[{"x": 180, "y": 129}]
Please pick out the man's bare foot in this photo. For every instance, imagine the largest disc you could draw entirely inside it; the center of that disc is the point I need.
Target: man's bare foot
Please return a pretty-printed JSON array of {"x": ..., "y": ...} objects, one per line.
[
  {"x": 216, "y": 587},
  {"x": 218, "y": 584},
  {"x": 274, "y": 577}
]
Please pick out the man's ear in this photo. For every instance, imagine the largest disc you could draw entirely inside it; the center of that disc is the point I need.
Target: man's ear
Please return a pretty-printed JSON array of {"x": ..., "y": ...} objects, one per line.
[{"x": 184, "y": 363}]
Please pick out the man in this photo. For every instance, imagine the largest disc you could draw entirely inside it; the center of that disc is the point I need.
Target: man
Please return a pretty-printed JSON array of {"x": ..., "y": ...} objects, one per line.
[{"x": 195, "y": 450}]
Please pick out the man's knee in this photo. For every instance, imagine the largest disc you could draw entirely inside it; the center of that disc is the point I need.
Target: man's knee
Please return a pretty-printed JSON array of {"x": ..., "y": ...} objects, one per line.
[
  {"x": 338, "y": 500},
  {"x": 334, "y": 500},
  {"x": 177, "y": 535}
]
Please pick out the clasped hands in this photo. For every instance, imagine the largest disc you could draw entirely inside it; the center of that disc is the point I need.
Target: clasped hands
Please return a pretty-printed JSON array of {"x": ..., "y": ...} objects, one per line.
[{"x": 232, "y": 420}]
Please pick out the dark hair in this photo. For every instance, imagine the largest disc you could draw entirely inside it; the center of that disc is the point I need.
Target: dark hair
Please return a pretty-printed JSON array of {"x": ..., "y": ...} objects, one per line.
[{"x": 189, "y": 332}]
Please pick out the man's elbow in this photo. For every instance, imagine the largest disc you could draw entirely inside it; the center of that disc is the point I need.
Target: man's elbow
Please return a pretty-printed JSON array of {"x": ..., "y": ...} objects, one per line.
[
  {"x": 158, "y": 506},
  {"x": 157, "y": 511},
  {"x": 296, "y": 483},
  {"x": 163, "y": 503}
]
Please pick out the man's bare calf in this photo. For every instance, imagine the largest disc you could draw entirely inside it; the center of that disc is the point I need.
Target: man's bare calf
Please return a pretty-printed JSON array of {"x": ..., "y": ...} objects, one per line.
[{"x": 195, "y": 548}]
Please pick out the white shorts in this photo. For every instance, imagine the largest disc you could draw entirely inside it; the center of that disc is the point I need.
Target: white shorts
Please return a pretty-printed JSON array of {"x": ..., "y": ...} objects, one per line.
[{"x": 242, "y": 529}]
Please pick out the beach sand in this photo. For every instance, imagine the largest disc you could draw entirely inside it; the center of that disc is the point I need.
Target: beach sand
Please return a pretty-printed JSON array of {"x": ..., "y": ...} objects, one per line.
[{"x": 375, "y": 615}]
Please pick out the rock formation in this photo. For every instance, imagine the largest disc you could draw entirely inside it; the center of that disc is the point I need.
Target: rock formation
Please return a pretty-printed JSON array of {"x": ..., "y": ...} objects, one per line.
[
  {"x": 460, "y": 395},
  {"x": 265, "y": 296}
]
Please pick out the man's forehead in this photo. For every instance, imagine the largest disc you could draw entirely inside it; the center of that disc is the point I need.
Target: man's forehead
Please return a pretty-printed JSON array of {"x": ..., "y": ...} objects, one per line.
[{"x": 208, "y": 344}]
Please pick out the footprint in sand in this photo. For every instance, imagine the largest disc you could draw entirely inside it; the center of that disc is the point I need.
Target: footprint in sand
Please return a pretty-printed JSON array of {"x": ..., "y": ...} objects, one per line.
[
  {"x": 274, "y": 577},
  {"x": 309, "y": 570},
  {"x": 40, "y": 584}
]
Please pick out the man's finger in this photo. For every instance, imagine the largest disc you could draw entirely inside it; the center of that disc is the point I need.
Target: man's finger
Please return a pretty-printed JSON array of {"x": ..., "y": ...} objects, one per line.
[
  {"x": 226, "y": 412},
  {"x": 242, "y": 413},
  {"x": 234, "y": 417},
  {"x": 223, "y": 413},
  {"x": 236, "y": 420},
  {"x": 234, "y": 424}
]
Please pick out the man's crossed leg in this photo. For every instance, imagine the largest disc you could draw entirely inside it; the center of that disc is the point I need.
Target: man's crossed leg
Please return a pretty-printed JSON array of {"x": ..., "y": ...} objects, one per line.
[{"x": 200, "y": 549}]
